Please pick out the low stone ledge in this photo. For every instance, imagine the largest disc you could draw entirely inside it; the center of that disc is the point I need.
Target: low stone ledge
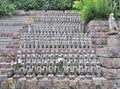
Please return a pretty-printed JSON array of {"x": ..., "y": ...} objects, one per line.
[{"x": 108, "y": 52}]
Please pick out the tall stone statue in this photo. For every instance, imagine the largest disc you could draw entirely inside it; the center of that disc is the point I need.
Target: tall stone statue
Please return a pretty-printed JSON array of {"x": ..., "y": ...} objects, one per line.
[{"x": 113, "y": 29}]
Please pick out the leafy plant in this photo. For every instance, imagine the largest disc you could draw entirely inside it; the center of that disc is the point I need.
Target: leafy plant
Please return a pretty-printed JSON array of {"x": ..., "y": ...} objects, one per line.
[
  {"x": 6, "y": 7},
  {"x": 25, "y": 4},
  {"x": 93, "y": 9},
  {"x": 43, "y": 4},
  {"x": 59, "y": 4}
]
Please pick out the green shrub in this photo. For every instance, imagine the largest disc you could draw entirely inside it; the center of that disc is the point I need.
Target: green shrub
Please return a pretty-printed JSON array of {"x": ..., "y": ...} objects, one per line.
[
  {"x": 39, "y": 4},
  {"x": 6, "y": 7},
  {"x": 59, "y": 4},
  {"x": 43, "y": 4},
  {"x": 93, "y": 9},
  {"x": 25, "y": 4}
]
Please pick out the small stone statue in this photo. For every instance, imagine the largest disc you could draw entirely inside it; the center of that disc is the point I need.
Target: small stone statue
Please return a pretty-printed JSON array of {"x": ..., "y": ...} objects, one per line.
[
  {"x": 29, "y": 29},
  {"x": 113, "y": 29}
]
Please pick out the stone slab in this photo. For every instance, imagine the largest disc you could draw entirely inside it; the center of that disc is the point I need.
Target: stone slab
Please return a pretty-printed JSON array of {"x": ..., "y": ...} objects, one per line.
[{"x": 61, "y": 84}]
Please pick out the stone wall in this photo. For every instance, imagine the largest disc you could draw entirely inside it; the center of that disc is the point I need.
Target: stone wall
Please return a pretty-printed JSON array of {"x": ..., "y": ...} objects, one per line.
[
  {"x": 95, "y": 83},
  {"x": 99, "y": 31},
  {"x": 108, "y": 50}
]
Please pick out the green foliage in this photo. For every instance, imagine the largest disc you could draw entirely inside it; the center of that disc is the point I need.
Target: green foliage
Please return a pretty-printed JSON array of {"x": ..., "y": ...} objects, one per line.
[
  {"x": 6, "y": 7},
  {"x": 60, "y": 65},
  {"x": 59, "y": 4},
  {"x": 25, "y": 4},
  {"x": 94, "y": 9},
  {"x": 43, "y": 4}
]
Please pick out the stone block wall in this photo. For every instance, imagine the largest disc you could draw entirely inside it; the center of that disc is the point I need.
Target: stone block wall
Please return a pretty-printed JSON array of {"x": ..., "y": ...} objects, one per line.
[
  {"x": 95, "y": 83},
  {"x": 99, "y": 31},
  {"x": 108, "y": 50}
]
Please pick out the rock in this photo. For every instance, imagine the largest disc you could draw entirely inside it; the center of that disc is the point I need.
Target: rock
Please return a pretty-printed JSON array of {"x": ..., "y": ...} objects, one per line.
[
  {"x": 109, "y": 52},
  {"x": 73, "y": 84},
  {"x": 97, "y": 23},
  {"x": 31, "y": 83},
  {"x": 118, "y": 72},
  {"x": 115, "y": 63},
  {"x": 117, "y": 83},
  {"x": 105, "y": 62},
  {"x": 8, "y": 71},
  {"x": 109, "y": 73},
  {"x": 108, "y": 84},
  {"x": 85, "y": 84},
  {"x": 98, "y": 81},
  {"x": 45, "y": 83},
  {"x": 60, "y": 84},
  {"x": 113, "y": 41},
  {"x": 21, "y": 83},
  {"x": 20, "y": 13}
]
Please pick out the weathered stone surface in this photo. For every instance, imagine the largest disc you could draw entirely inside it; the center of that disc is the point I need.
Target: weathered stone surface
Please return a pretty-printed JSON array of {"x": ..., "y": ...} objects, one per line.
[
  {"x": 117, "y": 83},
  {"x": 106, "y": 62},
  {"x": 8, "y": 71},
  {"x": 85, "y": 84},
  {"x": 73, "y": 84},
  {"x": 113, "y": 41},
  {"x": 45, "y": 84},
  {"x": 109, "y": 73},
  {"x": 19, "y": 12},
  {"x": 108, "y": 84},
  {"x": 118, "y": 72},
  {"x": 31, "y": 84},
  {"x": 98, "y": 23},
  {"x": 110, "y": 62},
  {"x": 99, "y": 28},
  {"x": 98, "y": 34},
  {"x": 21, "y": 83},
  {"x": 116, "y": 63},
  {"x": 100, "y": 41},
  {"x": 110, "y": 52},
  {"x": 95, "y": 83},
  {"x": 9, "y": 52},
  {"x": 60, "y": 84}
]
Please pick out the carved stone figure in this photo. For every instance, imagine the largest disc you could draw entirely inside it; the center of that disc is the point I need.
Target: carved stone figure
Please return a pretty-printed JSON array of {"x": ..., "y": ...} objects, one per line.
[{"x": 113, "y": 29}]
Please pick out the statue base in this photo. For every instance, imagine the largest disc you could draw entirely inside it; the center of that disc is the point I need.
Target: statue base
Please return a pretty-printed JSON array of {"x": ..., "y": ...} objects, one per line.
[
  {"x": 29, "y": 76},
  {"x": 50, "y": 76},
  {"x": 113, "y": 33},
  {"x": 82, "y": 77},
  {"x": 89, "y": 76},
  {"x": 71, "y": 76},
  {"x": 39, "y": 76},
  {"x": 16, "y": 76},
  {"x": 60, "y": 76}
]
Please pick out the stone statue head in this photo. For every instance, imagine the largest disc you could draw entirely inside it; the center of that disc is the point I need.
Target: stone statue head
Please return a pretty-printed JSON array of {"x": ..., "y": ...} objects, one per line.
[{"x": 111, "y": 15}]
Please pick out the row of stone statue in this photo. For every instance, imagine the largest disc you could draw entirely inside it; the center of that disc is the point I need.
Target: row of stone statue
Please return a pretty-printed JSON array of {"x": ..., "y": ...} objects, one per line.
[
  {"x": 55, "y": 44},
  {"x": 56, "y": 25},
  {"x": 54, "y": 34},
  {"x": 51, "y": 53},
  {"x": 44, "y": 64},
  {"x": 57, "y": 13},
  {"x": 31, "y": 70},
  {"x": 55, "y": 17},
  {"x": 49, "y": 58},
  {"x": 30, "y": 40}
]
